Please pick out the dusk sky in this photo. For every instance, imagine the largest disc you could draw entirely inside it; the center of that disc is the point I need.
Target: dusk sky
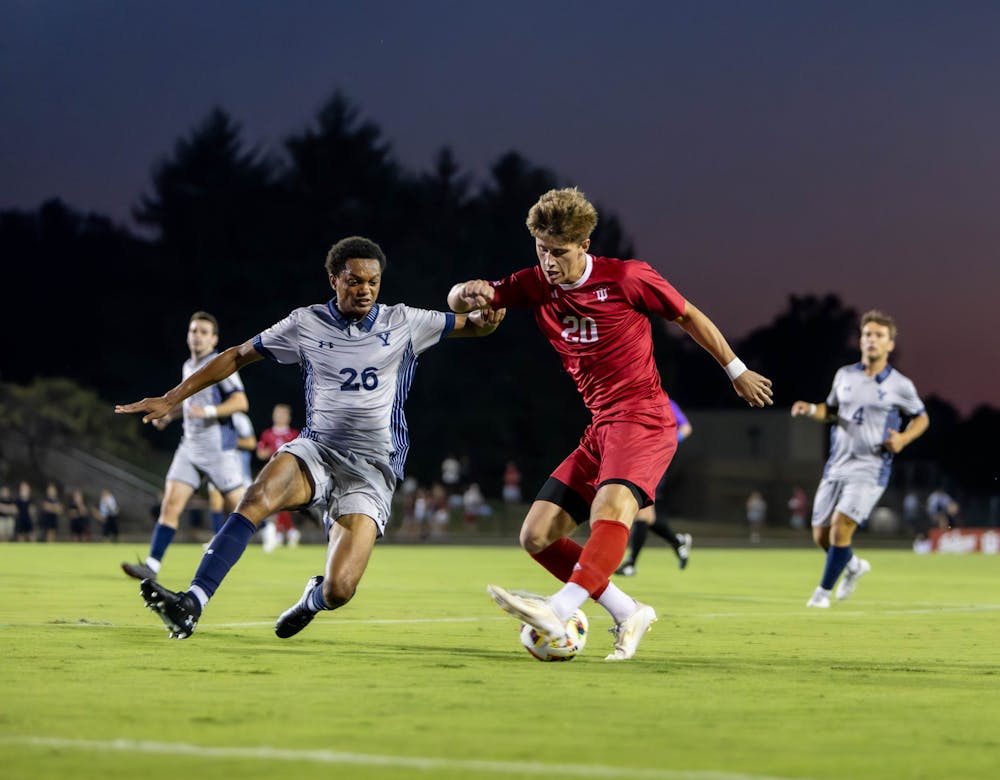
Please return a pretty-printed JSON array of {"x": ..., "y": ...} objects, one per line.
[{"x": 753, "y": 150}]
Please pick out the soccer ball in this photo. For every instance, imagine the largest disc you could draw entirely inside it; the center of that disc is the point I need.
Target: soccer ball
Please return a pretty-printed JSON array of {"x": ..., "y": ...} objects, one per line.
[{"x": 544, "y": 648}]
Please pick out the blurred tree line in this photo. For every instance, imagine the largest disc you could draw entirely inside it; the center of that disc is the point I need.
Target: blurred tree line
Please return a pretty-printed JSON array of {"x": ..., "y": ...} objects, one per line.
[{"x": 243, "y": 233}]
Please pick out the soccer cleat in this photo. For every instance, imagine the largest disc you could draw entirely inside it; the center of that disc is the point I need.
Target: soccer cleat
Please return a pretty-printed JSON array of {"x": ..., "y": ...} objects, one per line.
[
  {"x": 626, "y": 570},
  {"x": 630, "y": 632},
  {"x": 821, "y": 599},
  {"x": 529, "y": 608},
  {"x": 850, "y": 579},
  {"x": 178, "y": 611},
  {"x": 139, "y": 570},
  {"x": 298, "y": 616},
  {"x": 684, "y": 550}
]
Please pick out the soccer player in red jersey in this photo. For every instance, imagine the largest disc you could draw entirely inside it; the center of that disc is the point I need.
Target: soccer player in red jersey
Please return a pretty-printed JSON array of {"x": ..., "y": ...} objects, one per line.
[{"x": 594, "y": 311}]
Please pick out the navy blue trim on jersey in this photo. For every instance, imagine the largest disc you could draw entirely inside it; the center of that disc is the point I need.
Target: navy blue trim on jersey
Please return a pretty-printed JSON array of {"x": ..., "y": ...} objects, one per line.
[
  {"x": 341, "y": 322},
  {"x": 449, "y": 325},
  {"x": 259, "y": 346},
  {"x": 398, "y": 428},
  {"x": 309, "y": 389},
  {"x": 882, "y": 375}
]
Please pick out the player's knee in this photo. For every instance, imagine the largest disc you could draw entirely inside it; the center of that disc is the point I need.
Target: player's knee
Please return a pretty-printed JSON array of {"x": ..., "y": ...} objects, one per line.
[{"x": 534, "y": 540}]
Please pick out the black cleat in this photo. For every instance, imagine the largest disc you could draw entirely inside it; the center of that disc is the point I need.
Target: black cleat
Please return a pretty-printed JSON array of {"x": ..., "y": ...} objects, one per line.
[
  {"x": 178, "y": 611},
  {"x": 297, "y": 616},
  {"x": 139, "y": 570}
]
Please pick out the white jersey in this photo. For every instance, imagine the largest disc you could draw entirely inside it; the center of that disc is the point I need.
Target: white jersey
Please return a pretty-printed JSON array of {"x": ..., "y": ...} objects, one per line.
[
  {"x": 206, "y": 435},
  {"x": 356, "y": 374},
  {"x": 867, "y": 407}
]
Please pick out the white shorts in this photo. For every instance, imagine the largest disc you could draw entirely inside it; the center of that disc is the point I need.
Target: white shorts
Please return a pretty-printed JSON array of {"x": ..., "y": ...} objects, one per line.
[
  {"x": 854, "y": 499},
  {"x": 345, "y": 483},
  {"x": 223, "y": 469}
]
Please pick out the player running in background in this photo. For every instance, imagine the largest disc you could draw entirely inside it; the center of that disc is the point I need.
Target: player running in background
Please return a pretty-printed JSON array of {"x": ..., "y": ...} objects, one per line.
[
  {"x": 594, "y": 311},
  {"x": 246, "y": 442},
  {"x": 208, "y": 446},
  {"x": 866, "y": 406},
  {"x": 281, "y": 432},
  {"x": 358, "y": 358},
  {"x": 649, "y": 519}
]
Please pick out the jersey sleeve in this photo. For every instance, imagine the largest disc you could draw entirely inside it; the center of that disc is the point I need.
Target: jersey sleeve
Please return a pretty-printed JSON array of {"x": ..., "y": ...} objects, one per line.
[
  {"x": 650, "y": 293},
  {"x": 231, "y": 384},
  {"x": 280, "y": 342},
  {"x": 428, "y": 327},
  {"x": 909, "y": 400},
  {"x": 522, "y": 289},
  {"x": 242, "y": 424}
]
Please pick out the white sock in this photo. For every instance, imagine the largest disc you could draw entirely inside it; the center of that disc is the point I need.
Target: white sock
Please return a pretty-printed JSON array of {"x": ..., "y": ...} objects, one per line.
[
  {"x": 199, "y": 594},
  {"x": 153, "y": 564},
  {"x": 854, "y": 564},
  {"x": 568, "y": 600},
  {"x": 618, "y": 603}
]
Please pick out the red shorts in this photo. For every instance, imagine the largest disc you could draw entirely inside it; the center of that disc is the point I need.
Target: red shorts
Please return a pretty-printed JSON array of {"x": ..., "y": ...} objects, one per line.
[{"x": 635, "y": 446}]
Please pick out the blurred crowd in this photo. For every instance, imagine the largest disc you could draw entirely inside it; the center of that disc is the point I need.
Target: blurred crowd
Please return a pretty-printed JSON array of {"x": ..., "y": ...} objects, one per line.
[{"x": 30, "y": 513}]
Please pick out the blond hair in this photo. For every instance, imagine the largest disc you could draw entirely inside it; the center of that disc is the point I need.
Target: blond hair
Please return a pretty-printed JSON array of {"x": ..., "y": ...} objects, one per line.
[
  {"x": 563, "y": 215},
  {"x": 880, "y": 318}
]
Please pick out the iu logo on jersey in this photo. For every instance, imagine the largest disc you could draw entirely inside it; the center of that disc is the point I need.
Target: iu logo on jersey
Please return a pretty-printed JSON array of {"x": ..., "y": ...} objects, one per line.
[{"x": 601, "y": 293}]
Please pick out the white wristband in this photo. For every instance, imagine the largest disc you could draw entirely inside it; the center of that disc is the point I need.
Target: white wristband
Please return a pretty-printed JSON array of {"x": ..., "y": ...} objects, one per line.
[
  {"x": 734, "y": 368},
  {"x": 210, "y": 411},
  {"x": 812, "y": 410}
]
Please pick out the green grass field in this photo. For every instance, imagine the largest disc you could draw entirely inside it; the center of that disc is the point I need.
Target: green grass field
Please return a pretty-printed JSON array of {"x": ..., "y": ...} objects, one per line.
[{"x": 421, "y": 676}]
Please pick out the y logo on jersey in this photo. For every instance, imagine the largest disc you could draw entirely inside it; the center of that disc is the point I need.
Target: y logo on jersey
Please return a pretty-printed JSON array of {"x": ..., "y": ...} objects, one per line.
[{"x": 384, "y": 337}]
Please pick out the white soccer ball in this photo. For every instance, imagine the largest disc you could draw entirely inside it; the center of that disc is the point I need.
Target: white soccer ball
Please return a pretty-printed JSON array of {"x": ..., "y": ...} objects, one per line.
[{"x": 544, "y": 648}]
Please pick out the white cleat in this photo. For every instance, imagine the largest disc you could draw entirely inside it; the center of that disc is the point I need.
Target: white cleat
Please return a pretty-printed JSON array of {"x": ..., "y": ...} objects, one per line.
[
  {"x": 630, "y": 632},
  {"x": 529, "y": 608},
  {"x": 821, "y": 599},
  {"x": 684, "y": 551},
  {"x": 850, "y": 579}
]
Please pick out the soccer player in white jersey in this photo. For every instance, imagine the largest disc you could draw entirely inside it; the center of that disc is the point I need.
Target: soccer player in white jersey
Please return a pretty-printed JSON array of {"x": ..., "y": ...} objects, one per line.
[
  {"x": 357, "y": 358},
  {"x": 866, "y": 406},
  {"x": 208, "y": 448}
]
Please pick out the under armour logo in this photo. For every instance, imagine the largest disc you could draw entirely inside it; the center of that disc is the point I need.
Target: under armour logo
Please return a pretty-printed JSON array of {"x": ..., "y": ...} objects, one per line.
[
  {"x": 384, "y": 337},
  {"x": 601, "y": 293}
]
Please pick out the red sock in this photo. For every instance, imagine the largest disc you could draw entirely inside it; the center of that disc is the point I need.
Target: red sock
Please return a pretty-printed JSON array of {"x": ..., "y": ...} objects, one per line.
[
  {"x": 601, "y": 556},
  {"x": 560, "y": 557}
]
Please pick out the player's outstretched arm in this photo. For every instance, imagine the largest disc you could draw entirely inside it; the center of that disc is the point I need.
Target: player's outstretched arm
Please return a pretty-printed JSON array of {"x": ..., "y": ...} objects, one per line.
[
  {"x": 473, "y": 294},
  {"x": 217, "y": 369},
  {"x": 752, "y": 387},
  {"x": 813, "y": 411},
  {"x": 481, "y": 322}
]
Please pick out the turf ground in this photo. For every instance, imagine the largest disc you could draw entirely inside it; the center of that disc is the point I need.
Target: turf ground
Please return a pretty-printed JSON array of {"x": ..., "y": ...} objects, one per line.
[{"x": 421, "y": 676}]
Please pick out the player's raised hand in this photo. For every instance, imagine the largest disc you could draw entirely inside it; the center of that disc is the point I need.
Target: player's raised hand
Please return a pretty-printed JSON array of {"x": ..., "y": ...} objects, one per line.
[
  {"x": 476, "y": 293},
  {"x": 754, "y": 388},
  {"x": 154, "y": 408}
]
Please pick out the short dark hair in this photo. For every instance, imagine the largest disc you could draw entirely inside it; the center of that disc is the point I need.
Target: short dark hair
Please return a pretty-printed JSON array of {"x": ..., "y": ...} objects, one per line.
[
  {"x": 204, "y": 315},
  {"x": 353, "y": 248}
]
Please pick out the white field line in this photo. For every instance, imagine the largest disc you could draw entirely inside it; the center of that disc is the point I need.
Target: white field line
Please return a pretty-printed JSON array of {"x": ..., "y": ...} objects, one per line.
[
  {"x": 930, "y": 610},
  {"x": 333, "y": 757}
]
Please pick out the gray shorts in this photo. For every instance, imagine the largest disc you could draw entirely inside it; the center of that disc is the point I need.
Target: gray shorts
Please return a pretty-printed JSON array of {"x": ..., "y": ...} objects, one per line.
[
  {"x": 854, "y": 499},
  {"x": 346, "y": 484},
  {"x": 223, "y": 469}
]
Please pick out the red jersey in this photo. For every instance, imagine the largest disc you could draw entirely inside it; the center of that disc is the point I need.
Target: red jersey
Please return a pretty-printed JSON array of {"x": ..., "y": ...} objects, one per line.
[
  {"x": 273, "y": 438},
  {"x": 599, "y": 327}
]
